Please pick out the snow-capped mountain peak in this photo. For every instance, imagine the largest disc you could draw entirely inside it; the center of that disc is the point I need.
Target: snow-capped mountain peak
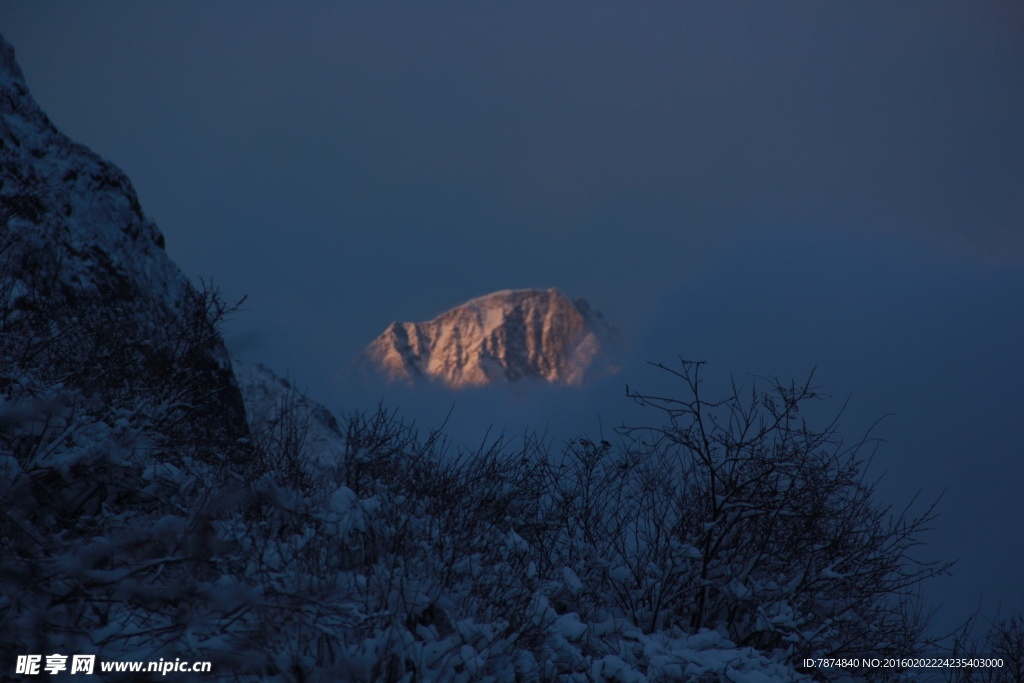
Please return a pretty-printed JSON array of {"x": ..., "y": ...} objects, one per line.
[{"x": 502, "y": 337}]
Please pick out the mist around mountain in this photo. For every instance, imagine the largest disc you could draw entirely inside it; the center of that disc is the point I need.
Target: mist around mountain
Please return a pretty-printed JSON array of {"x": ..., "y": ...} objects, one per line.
[{"x": 162, "y": 500}]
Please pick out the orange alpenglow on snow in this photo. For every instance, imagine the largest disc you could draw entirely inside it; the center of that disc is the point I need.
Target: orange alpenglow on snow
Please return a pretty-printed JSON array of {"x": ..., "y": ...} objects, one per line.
[{"x": 503, "y": 337}]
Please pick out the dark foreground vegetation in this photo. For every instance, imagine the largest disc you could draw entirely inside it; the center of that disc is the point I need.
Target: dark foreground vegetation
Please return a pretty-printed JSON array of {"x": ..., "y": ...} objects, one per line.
[{"x": 730, "y": 542}]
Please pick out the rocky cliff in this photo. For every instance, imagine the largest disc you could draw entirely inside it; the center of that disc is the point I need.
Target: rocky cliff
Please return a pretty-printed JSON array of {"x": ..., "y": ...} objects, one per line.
[{"x": 90, "y": 298}]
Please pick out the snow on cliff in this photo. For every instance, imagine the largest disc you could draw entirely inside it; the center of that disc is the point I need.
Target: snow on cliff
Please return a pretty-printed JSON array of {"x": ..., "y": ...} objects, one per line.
[
  {"x": 502, "y": 337},
  {"x": 274, "y": 406},
  {"x": 71, "y": 200},
  {"x": 73, "y": 232}
]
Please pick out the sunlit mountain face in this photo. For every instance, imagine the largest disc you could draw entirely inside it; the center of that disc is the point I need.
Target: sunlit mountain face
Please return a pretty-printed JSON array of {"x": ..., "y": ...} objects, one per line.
[{"x": 503, "y": 337}]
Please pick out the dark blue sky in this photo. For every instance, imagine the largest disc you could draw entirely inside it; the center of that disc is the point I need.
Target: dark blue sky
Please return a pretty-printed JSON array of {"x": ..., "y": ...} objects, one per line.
[{"x": 768, "y": 186}]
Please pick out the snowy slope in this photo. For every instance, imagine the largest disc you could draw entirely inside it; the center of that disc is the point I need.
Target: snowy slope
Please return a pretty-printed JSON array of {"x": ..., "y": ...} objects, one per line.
[
  {"x": 407, "y": 609},
  {"x": 72, "y": 225},
  {"x": 502, "y": 337},
  {"x": 271, "y": 401},
  {"x": 86, "y": 205}
]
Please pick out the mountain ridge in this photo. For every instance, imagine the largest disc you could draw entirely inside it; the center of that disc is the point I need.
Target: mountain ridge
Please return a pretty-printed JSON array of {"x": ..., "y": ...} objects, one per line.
[{"x": 499, "y": 338}]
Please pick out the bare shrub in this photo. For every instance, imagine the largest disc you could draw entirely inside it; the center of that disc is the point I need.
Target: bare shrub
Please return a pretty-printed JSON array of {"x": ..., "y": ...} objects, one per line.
[
  {"x": 737, "y": 515},
  {"x": 1003, "y": 640}
]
